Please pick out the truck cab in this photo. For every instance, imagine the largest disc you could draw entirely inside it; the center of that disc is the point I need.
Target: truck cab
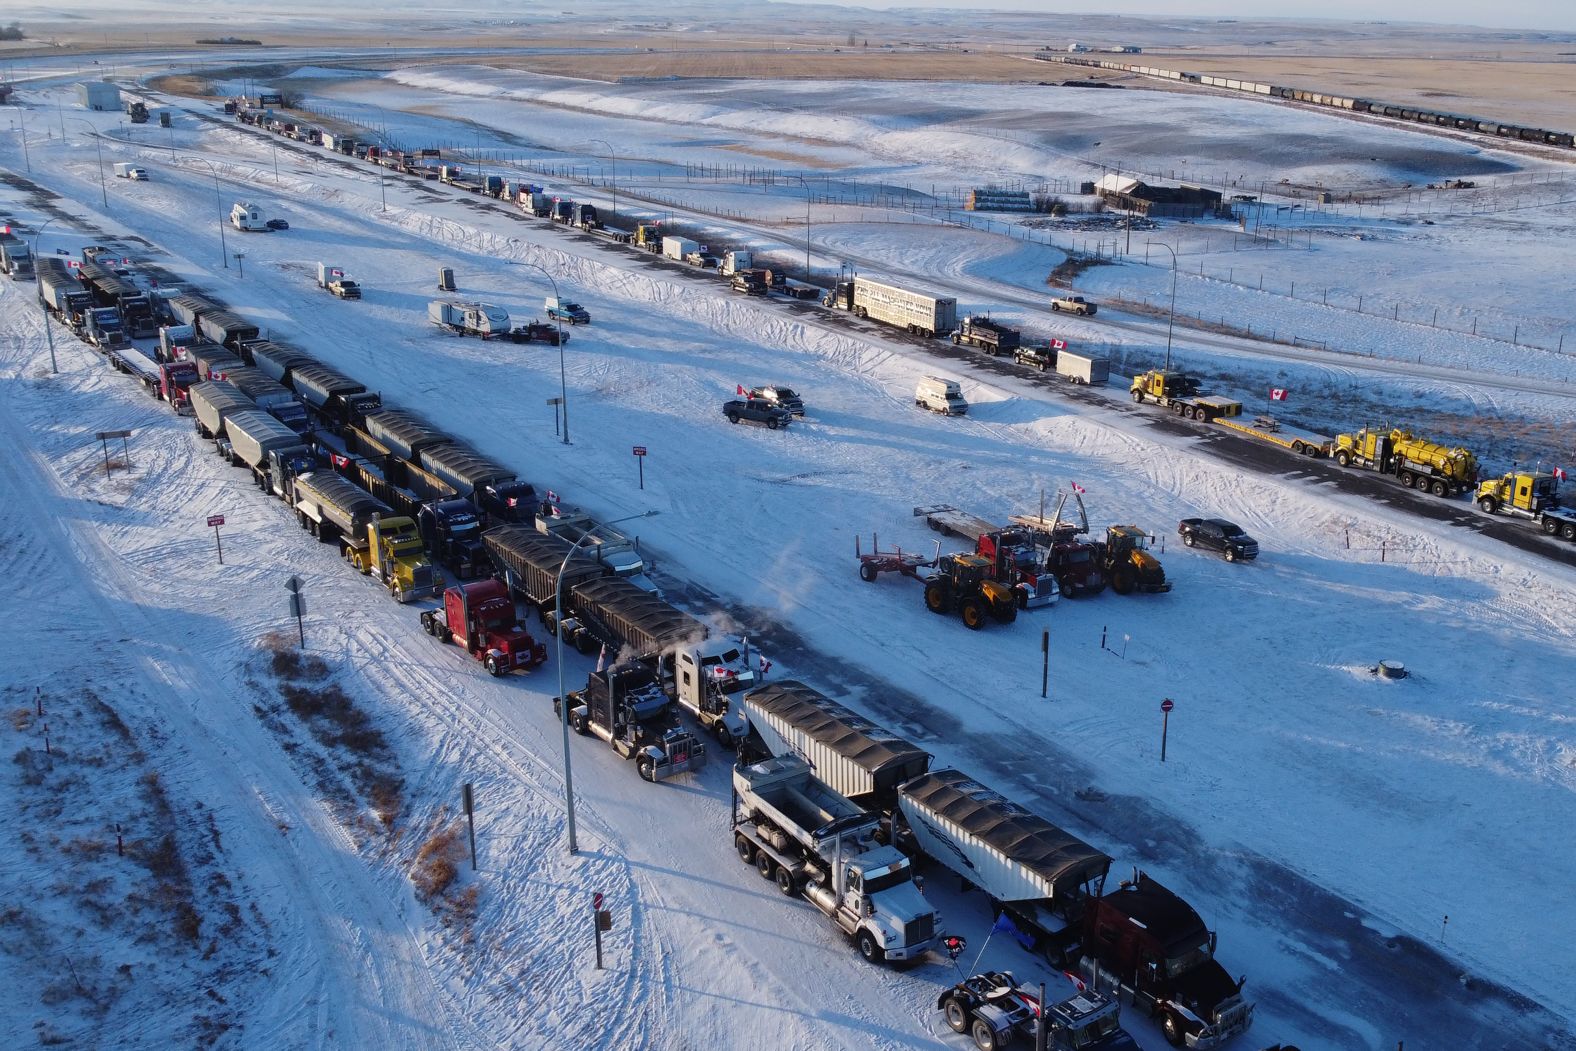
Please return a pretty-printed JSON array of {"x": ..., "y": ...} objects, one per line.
[
  {"x": 512, "y": 502},
  {"x": 104, "y": 328},
  {"x": 452, "y": 531},
  {"x": 626, "y": 707},
  {"x": 481, "y": 618},
  {"x": 175, "y": 382},
  {"x": 710, "y": 681},
  {"x": 394, "y": 553},
  {"x": 784, "y": 398}
]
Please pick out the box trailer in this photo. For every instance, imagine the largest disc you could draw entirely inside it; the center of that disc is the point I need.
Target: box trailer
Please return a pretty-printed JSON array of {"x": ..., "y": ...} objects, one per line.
[
  {"x": 914, "y": 312},
  {"x": 1083, "y": 368},
  {"x": 679, "y": 248}
]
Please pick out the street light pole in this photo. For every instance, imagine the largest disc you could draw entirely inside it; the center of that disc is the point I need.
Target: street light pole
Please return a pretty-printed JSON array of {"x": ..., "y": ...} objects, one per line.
[
  {"x": 806, "y": 227},
  {"x": 383, "y": 192},
  {"x": 558, "y": 631},
  {"x": 218, "y": 201},
  {"x": 613, "y": 155},
  {"x": 563, "y": 384},
  {"x": 49, "y": 331},
  {"x": 103, "y": 186},
  {"x": 1171, "y": 320},
  {"x": 22, "y": 115}
]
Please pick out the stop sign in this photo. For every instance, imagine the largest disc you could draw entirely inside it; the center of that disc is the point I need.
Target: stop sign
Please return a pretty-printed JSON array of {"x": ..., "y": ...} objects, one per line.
[
  {"x": 1166, "y": 705},
  {"x": 596, "y": 901}
]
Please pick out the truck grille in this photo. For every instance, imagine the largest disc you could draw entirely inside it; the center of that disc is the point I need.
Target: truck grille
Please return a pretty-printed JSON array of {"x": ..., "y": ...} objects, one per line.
[
  {"x": 921, "y": 930},
  {"x": 1233, "y": 1017}
]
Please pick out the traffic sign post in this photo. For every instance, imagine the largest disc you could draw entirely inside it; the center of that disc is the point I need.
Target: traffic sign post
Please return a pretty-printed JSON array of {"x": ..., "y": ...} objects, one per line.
[
  {"x": 601, "y": 920},
  {"x": 216, "y": 521},
  {"x": 298, "y": 608},
  {"x": 1165, "y": 725},
  {"x": 640, "y": 458},
  {"x": 1045, "y": 664},
  {"x": 469, "y": 800},
  {"x": 555, "y": 403}
]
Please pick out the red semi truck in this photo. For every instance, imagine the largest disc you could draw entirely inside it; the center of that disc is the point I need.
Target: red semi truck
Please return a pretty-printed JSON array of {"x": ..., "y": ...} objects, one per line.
[{"x": 480, "y": 616}]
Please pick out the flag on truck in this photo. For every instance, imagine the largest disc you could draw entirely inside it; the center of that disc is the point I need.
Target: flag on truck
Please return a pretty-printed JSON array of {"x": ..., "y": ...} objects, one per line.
[
  {"x": 739, "y": 390},
  {"x": 601, "y": 658},
  {"x": 766, "y": 666},
  {"x": 341, "y": 461},
  {"x": 1077, "y": 488},
  {"x": 1058, "y": 344},
  {"x": 1559, "y": 472},
  {"x": 1278, "y": 393}
]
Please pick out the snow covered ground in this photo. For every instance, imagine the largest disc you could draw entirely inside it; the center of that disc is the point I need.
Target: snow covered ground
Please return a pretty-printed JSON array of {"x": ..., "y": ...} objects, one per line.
[{"x": 1326, "y": 822}]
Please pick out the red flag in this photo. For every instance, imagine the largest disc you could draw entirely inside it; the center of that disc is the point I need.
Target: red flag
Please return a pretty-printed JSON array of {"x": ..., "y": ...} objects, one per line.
[
  {"x": 1077, "y": 488},
  {"x": 740, "y": 390},
  {"x": 341, "y": 461},
  {"x": 766, "y": 666},
  {"x": 1278, "y": 393},
  {"x": 1058, "y": 344},
  {"x": 1559, "y": 472},
  {"x": 514, "y": 501},
  {"x": 601, "y": 658}
]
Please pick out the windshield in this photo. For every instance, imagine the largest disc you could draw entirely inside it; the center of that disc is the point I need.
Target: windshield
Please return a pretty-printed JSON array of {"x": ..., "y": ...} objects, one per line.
[
  {"x": 893, "y": 877},
  {"x": 783, "y": 394},
  {"x": 463, "y": 527},
  {"x": 1080, "y": 555},
  {"x": 1186, "y": 961},
  {"x": 726, "y": 657},
  {"x": 1097, "y": 1030}
]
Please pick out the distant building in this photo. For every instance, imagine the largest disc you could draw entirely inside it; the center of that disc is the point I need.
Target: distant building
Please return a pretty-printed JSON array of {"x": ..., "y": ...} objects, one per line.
[
  {"x": 1076, "y": 48},
  {"x": 98, "y": 94},
  {"x": 1125, "y": 49},
  {"x": 993, "y": 199},
  {"x": 1170, "y": 202}
]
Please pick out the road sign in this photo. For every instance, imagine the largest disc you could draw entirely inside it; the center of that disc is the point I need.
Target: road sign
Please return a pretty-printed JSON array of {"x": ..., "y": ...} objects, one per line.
[
  {"x": 596, "y": 901},
  {"x": 555, "y": 401},
  {"x": 214, "y": 521},
  {"x": 640, "y": 450},
  {"x": 106, "y": 435},
  {"x": 293, "y": 584},
  {"x": 1166, "y": 705}
]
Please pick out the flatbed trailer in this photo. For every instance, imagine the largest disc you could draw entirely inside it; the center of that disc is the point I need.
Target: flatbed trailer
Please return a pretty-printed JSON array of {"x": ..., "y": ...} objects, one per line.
[
  {"x": 949, "y": 521},
  {"x": 1269, "y": 429},
  {"x": 874, "y": 562}
]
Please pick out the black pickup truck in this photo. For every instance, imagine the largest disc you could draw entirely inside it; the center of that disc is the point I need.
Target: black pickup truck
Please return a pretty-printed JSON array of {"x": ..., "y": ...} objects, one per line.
[
  {"x": 757, "y": 410},
  {"x": 1039, "y": 357},
  {"x": 1220, "y": 535}
]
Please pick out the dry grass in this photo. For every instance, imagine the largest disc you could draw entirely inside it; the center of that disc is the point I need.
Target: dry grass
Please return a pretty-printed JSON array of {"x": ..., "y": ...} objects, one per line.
[{"x": 438, "y": 861}]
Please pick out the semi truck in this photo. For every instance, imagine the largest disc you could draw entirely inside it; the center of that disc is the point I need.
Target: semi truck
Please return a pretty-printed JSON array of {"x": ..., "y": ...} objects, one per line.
[
  {"x": 736, "y": 260},
  {"x": 175, "y": 383},
  {"x": 273, "y": 451},
  {"x": 451, "y": 529},
  {"x": 1418, "y": 463},
  {"x": 102, "y": 327},
  {"x": 706, "y": 676},
  {"x": 270, "y": 396},
  {"x": 212, "y": 401},
  {"x": 393, "y": 552},
  {"x": 1181, "y": 394},
  {"x": 990, "y": 336},
  {"x": 1533, "y": 495},
  {"x": 914, "y": 312},
  {"x": 532, "y": 563},
  {"x": 818, "y": 844},
  {"x": 480, "y": 618},
  {"x": 626, "y": 707},
  {"x": 608, "y": 546},
  {"x": 331, "y": 397},
  {"x": 493, "y": 488},
  {"x": 16, "y": 257},
  {"x": 331, "y": 508},
  {"x": 469, "y": 319},
  {"x": 62, "y": 293}
]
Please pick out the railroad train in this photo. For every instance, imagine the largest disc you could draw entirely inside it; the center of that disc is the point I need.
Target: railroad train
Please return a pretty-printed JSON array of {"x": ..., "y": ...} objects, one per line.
[{"x": 1418, "y": 115}]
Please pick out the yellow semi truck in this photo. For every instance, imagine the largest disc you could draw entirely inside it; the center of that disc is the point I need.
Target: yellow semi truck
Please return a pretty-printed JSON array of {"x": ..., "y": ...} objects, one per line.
[
  {"x": 392, "y": 551},
  {"x": 1418, "y": 463},
  {"x": 1533, "y": 495}
]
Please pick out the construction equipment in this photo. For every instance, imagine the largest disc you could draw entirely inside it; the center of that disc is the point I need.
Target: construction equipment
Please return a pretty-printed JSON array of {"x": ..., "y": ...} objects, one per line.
[
  {"x": 1419, "y": 464},
  {"x": 964, "y": 583},
  {"x": 1078, "y": 565},
  {"x": 1181, "y": 394},
  {"x": 1529, "y": 494},
  {"x": 1128, "y": 563}
]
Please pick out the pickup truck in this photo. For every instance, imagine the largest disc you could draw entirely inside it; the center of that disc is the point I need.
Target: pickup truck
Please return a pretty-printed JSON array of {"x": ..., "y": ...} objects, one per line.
[
  {"x": 757, "y": 410},
  {"x": 567, "y": 310},
  {"x": 783, "y": 397},
  {"x": 1073, "y": 305},
  {"x": 1041, "y": 358},
  {"x": 1217, "y": 534}
]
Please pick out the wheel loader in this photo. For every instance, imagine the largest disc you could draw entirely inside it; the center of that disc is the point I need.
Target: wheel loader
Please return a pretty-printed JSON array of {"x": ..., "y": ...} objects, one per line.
[
  {"x": 1128, "y": 563},
  {"x": 963, "y": 584}
]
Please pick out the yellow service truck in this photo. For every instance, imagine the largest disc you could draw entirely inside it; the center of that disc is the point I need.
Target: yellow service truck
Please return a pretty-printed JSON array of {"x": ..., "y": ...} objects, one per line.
[
  {"x": 1419, "y": 464},
  {"x": 392, "y": 551},
  {"x": 1529, "y": 494},
  {"x": 1181, "y": 394}
]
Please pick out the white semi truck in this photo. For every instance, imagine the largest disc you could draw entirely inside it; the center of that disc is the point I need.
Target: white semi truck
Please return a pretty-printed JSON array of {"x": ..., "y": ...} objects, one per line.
[
  {"x": 913, "y": 312},
  {"x": 817, "y": 844}
]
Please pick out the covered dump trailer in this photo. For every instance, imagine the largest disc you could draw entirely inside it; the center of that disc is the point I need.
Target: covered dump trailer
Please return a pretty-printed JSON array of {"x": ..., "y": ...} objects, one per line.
[
  {"x": 623, "y": 615},
  {"x": 188, "y": 309},
  {"x": 225, "y": 328},
  {"x": 404, "y": 433},
  {"x": 334, "y": 396},
  {"x": 212, "y": 402},
  {"x": 213, "y": 361},
  {"x": 278, "y": 361},
  {"x": 851, "y": 754},
  {"x": 329, "y": 505},
  {"x": 529, "y": 563}
]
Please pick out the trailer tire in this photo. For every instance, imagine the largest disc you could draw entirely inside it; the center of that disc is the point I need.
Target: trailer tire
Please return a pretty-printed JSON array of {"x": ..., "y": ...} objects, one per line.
[
  {"x": 1551, "y": 527},
  {"x": 1568, "y": 531},
  {"x": 1172, "y": 1030},
  {"x": 648, "y": 771},
  {"x": 868, "y": 572},
  {"x": 868, "y": 947},
  {"x": 957, "y": 1015},
  {"x": 764, "y": 864},
  {"x": 745, "y": 849},
  {"x": 786, "y": 883},
  {"x": 1343, "y": 458},
  {"x": 1488, "y": 504},
  {"x": 984, "y": 1036}
]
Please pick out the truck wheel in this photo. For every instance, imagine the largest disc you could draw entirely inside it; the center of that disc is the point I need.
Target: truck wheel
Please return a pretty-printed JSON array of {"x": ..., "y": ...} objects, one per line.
[
  {"x": 786, "y": 884},
  {"x": 1231, "y": 554},
  {"x": 984, "y": 1036},
  {"x": 1138, "y": 395},
  {"x": 936, "y": 598},
  {"x": 579, "y": 724},
  {"x": 764, "y": 864},
  {"x": 868, "y": 572},
  {"x": 1551, "y": 527},
  {"x": 426, "y": 624},
  {"x": 1007, "y": 612},
  {"x": 648, "y": 770},
  {"x": 971, "y": 612},
  {"x": 733, "y": 417},
  {"x": 1172, "y": 1030},
  {"x": 1568, "y": 531},
  {"x": 771, "y": 423},
  {"x": 1343, "y": 458},
  {"x": 1489, "y": 504},
  {"x": 494, "y": 667},
  {"x": 1439, "y": 488},
  {"x": 869, "y": 949},
  {"x": 1188, "y": 539},
  {"x": 1407, "y": 479},
  {"x": 1056, "y": 308},
  {"x": 957, "y": 1015},
  {"x": 745, "y": 848}
]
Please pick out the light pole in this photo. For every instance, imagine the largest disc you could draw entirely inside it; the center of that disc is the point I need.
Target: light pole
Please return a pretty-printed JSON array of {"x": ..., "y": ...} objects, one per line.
[
  {"x": 103, "y": 186},
  {"x": 22, "y": 115},
  {"x": 806, "y": 227},
  {"x": 49, "y": 332},
  {"x": 224, "y": 251},
  {"x": 1171, "y": 320},
  {"x": 613, "y": 155},
  {"x": 563, "y": 704},
  {"x": 563, "y": 385},
  {"x": 383, "y": 192}
]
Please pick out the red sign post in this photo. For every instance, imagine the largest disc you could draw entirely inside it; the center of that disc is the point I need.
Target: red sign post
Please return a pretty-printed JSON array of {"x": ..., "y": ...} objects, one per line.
[
  {"x": 216, "y": 521},
  {"x": 1165, "y": 724},
  {"x": 640, "y": 458}
]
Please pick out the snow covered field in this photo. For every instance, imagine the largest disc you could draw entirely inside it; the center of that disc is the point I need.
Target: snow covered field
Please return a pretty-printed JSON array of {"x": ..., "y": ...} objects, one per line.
[{"x": 1326, "y": 822}]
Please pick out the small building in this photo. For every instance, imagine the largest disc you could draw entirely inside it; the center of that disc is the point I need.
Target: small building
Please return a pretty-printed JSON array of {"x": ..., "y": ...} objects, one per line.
[
  {"x": 1170, "y": 202},
  {"x": 98, "y": 94},
  {"x": 1125, "y": 49},
  {"x": 995, "y": 199}
]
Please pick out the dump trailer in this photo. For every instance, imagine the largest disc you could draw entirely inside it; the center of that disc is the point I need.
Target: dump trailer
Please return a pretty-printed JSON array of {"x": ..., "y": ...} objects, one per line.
[
  {"x": 16, "y": 257},
  {"x": 1418, "y": 463},
  {"x": 480, "y": 617},
  {"x": 187, "y": 309},
  {"x": 279, "y": 362},
  {"x": 212, "y": 401},
  {"x": 404, "y": 433},
  {"x": 271, "y": 396},
  {"x": 469, "y": 319},
  {"x": 226, "y": 329},
  {"x": 914, "y": 312},
  {"x": 61, "y": 292},
  {"x": 990, "y": 336},
  {"x": 818, "y": 844},
  {"x": 393, "y": 552},
  {"x": 492, "y": 487},
  {"x": 273, "y": 451},
  {"x": 1533, "y": 495},
  {"x": 706, "y": 676},
  {"x": 331, "y": 508},
  {"x": 626, "y": 707},
  {"x": 851, "y": 754},
  {"x": 1041, "y": 875},
  {"x": 213, "y": 361},
  {"x": 331, "y": 397},
  {"x": 1181, "y": 394},
  {"x": 532, "y": 564}
]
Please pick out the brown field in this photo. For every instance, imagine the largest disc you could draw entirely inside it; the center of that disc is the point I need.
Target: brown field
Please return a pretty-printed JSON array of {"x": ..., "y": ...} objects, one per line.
[{"x": 844, "y": 64}]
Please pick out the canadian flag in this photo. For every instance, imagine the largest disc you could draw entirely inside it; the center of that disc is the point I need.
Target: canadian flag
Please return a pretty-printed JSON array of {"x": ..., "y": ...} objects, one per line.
[
  {"x": 1559, "y": 472},
  {"x": 1058, "y": 344},
  {"x": 514, "y": 501},
  {"x": 601, "y": 658},
  {"x": 341, "y": 461},
  {"x": 1278, "y": 393},
  {"x": 552, "y": 497},
  {"x": 1077, "y": 488},
  {"x": 1078, "y": 983},
  {"x": 740, "y": 390},
  {"x": 766, "y": 666}
]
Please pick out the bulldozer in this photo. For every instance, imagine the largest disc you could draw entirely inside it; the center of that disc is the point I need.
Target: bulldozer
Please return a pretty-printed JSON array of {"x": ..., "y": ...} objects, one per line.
[
  {"x": 1128, "y": 563},
  {"x": 963, "y": 583}
]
